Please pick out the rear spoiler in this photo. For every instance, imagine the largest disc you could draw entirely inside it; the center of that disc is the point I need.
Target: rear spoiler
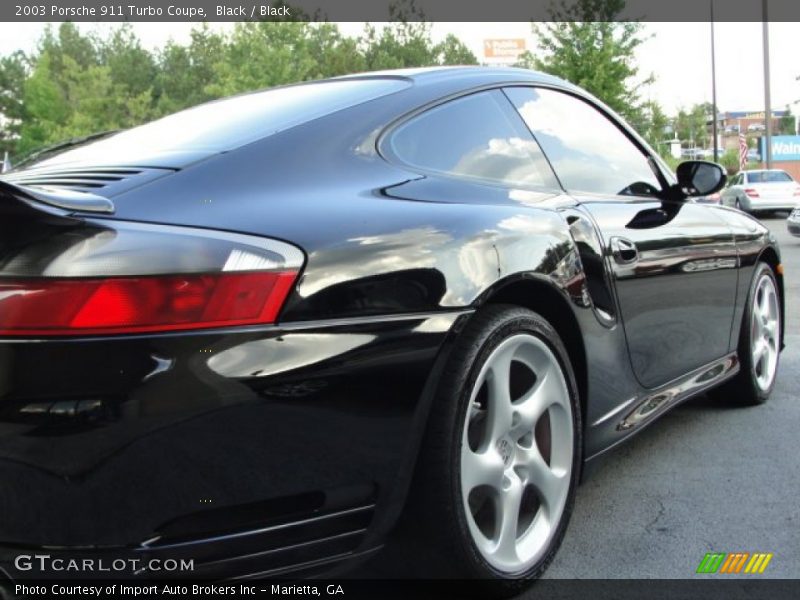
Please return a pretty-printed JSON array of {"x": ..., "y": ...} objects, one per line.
[{"x": 64, "y": 199}]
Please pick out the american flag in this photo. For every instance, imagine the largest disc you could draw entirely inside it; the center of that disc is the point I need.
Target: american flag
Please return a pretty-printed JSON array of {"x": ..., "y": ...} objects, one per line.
[{"x": 742, "y": 152}]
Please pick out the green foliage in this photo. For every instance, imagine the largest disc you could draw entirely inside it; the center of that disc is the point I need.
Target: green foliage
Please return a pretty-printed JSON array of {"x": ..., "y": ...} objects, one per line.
[
  {"x": 130, "y": 66},
  {"x": 76, "y": 84},
  {"x": 730, "y": 161},
  {"x": 787, "y": 124},
  {"x": 13, "y": 73},
  {"x": 585, "y": 46},
  {"x": 654, "y": 126},
  {"x": 45, "y": 107},
  {"x": 691, "y": 125},
  {"x": 671, "y": 161},
  {"x": 185, "y": 72}
]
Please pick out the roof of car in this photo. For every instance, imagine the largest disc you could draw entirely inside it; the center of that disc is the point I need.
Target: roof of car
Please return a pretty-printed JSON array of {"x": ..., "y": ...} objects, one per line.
[{"x": 468, "y": 74}]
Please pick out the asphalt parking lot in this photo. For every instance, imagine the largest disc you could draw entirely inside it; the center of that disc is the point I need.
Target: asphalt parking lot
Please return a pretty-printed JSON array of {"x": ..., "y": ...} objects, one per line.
[{"x": 704, "y": 478}]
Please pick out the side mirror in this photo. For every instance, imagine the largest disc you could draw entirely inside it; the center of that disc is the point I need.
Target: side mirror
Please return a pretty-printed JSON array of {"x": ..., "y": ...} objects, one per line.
[{"x": 700, "y": 177}]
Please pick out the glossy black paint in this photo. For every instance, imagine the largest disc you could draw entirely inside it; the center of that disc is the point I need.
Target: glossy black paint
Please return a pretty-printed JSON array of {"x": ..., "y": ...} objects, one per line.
[
  {"x": 131, "y": 442},
  {"x": 675, "y": 299}
]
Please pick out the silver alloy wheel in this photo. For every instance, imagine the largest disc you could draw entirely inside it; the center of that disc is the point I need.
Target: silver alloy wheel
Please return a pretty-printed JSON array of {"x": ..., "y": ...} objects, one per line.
[
  {"x": 516, "y": 453},
  {"x": 764, "y": 332}
]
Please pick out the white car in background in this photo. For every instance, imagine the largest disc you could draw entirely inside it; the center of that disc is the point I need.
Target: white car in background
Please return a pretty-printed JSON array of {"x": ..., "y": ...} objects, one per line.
[{"x": 762, "y": 189}]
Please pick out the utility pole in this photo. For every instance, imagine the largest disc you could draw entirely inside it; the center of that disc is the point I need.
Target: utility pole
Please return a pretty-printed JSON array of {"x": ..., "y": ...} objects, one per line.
[
  {"x": 714, "y": 87},
  {"x": 768, "y": 111}
]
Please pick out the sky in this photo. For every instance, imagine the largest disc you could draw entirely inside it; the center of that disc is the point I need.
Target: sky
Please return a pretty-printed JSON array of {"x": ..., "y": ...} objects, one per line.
[{"x": 678, "y": 54}]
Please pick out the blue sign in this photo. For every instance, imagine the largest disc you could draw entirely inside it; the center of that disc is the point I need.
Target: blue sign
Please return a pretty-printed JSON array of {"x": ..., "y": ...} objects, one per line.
[{"x": 784, "y": 147}]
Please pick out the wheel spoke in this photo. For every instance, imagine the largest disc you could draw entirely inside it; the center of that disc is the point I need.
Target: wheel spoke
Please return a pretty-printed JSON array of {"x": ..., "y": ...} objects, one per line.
[
  {"x": 548, "y": 483},
  {"x": 481, "y": 468},
  {"x": 499, "y": 417},
  {"x": 757, "y": 329},
  {"x": 770, "y": 304},
  {"x": 771, "y": 330},
  {"x": 761, "y": 302},
  {"x": 759, "y": 350},
  {"x": 509, "y": 505},
  {"x": 530, "y": 408}
]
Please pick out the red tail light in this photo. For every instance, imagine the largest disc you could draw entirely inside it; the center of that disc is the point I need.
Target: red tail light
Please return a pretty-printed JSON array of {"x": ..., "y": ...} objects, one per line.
[
  {"x": 138, "y": 304},
  {"x": 98, "y": 284},
  {"x": 796, "y": 191},
  {"x": 751, "y": 193}
]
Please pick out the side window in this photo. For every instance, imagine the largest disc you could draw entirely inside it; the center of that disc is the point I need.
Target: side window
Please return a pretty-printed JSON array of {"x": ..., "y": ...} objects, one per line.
[
  {"x": 587, "y": 150},
  {"x": 474, "y": 137}
]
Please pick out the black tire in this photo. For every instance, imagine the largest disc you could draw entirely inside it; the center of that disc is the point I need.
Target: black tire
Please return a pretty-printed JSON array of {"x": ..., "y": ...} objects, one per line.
[
  {"x": 743, "y": 389},
  {"x": 436, "y": 512}
]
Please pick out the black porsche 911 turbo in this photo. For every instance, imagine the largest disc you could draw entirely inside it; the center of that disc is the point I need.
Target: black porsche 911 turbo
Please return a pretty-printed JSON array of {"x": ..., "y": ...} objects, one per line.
[{"x": 260, "y": 333}]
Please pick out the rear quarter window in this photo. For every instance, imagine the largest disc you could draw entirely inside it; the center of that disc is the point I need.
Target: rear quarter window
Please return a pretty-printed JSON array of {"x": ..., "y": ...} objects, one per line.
[{"x": 476, "y": 137}]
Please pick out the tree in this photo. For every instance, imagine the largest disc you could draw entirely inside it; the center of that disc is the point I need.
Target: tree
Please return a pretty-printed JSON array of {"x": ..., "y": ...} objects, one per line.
[
  {"x": 407, "y": 42},
  {"x": 13, "y": 72},
  {"x": 656, "y": 125},
  {"x": 691, "y": 125},
  {"x": 184, "y": 73},
  {"x": 263, "y": 54},
  {"x": 588, "y": 48},
  {"x": 45, "y": 107},
  {"x": 787, "y": 124},
  {"x": 452, "y": 51},
  {"x": 131, "y": 67},
  {"x": 76, "y": 84},
  {"x": 67, "y": 42}
]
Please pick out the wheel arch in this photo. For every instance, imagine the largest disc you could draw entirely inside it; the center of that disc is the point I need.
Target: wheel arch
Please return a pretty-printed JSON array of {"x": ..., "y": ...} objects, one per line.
[
  {"x": 551, "y": 303},
  {"x": 769, "y": 255}
]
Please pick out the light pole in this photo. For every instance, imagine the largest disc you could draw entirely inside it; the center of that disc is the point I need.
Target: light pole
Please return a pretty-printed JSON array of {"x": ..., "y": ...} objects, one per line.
[
  {"x": 713, "y": 87},
  {"x": 768, "y": 111}
]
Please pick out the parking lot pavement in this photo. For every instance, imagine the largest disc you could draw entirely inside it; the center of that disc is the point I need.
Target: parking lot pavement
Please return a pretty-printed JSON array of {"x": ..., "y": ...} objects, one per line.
[{"x": 703, "y": 478}]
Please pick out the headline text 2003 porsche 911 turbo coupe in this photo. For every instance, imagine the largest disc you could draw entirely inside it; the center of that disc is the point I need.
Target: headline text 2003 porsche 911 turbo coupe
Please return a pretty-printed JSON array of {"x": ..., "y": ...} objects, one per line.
[{"x": 260, "y": 333}]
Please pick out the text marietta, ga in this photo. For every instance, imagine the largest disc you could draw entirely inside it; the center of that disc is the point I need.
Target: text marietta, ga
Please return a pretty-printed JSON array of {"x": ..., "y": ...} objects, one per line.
[
  {"x": 181, "y": 590},
  {"x": 132, "y": 10}
]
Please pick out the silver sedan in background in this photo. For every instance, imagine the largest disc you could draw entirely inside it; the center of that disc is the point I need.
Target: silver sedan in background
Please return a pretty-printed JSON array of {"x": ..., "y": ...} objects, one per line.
[{"x": 762, "y": 189}]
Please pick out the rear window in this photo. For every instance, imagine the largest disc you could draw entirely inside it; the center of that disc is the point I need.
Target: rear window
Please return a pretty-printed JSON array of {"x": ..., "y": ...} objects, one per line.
[
  {"x": 768, "y": 177},
  {"x": 232, "y": 122}
]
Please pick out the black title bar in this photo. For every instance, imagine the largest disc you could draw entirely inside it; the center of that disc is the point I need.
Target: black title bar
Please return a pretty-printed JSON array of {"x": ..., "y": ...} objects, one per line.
[{"x": 379, "y": 10}]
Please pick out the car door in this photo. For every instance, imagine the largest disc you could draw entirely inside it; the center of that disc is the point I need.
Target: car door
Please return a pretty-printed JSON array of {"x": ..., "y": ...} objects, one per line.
[{"x": 674, "y": 264}]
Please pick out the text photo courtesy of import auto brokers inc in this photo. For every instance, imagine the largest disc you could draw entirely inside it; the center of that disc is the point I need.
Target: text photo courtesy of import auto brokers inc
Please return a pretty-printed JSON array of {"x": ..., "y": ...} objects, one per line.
[{"x": 413, "y": 298}]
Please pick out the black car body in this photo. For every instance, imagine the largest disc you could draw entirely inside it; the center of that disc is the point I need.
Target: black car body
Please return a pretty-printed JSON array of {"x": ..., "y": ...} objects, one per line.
[{"x": 289, "y": 447}]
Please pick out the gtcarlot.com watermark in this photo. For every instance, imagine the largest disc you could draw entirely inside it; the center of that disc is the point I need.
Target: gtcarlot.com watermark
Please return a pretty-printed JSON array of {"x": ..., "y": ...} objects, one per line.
[{"x": 45, "y": 563}]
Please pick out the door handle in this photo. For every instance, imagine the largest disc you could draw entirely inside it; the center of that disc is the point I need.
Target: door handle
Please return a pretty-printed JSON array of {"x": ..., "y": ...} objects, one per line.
[{"x": 624, "y": 251}]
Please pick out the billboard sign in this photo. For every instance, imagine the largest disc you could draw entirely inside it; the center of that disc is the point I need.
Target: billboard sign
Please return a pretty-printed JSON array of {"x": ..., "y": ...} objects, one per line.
[
  {"x": 509, "y": 48},
  {"x": 784, "y": 147}
]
